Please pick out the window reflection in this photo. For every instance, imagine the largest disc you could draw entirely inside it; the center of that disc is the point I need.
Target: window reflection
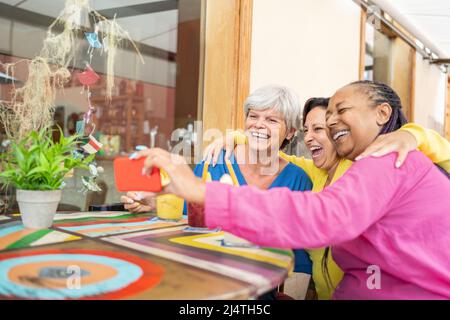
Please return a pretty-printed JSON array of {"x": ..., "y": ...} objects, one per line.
[{"x": 149, "y": 101}]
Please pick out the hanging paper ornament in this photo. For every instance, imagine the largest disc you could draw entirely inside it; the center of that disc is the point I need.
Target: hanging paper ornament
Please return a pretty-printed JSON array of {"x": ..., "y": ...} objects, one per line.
[
  {"x": 87, "y": 117},
  {"x": 93, "y": 170},
  {"x": 89, "y": 184},
  {"x": 93, "y": 146},
  {"x": 88, "y": 77},
  {"x": 80, "y": 127},
  {"x": 77, "y": 155},
  {"x": 6, "y": 143},
  {"x": 93, "y": 40}
]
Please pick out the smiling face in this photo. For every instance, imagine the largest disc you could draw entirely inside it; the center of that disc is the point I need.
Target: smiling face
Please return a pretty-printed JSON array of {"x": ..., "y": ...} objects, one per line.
[
  {"x": 353, "y": 121},
  {"x": 266, "y": 130},
  {"x": 317, "y": 139}
]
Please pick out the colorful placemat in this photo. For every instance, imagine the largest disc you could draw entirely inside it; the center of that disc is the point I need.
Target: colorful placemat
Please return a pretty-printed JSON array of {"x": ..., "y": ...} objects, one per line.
[
  {"x": 13, "y": 235},
  {"x": 96, "y": 224},
  {"x": 263, "y": 267},
  {"x": 212, "y": 241},
  {"x": 96, "y": 217},
  {"x": 75, "y": 274}
]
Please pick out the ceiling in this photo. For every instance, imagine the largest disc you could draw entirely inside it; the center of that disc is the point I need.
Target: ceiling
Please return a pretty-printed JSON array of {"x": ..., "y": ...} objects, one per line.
[
  {"x": 158, "y": 29},
  {"x": 431, "y": 17}
]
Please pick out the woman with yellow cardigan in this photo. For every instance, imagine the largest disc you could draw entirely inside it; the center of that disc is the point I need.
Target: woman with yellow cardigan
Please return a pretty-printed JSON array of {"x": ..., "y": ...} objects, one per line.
[{"x": 326, "y": 167}]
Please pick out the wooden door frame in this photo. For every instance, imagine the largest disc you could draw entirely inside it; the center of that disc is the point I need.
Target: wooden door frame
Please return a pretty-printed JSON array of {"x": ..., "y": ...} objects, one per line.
[
  {"x": 227, "y": 29},
  {"x": 408, "y": 109},
  {"x": 362, "y": 43},
  {"x": 447, "y": 112}
]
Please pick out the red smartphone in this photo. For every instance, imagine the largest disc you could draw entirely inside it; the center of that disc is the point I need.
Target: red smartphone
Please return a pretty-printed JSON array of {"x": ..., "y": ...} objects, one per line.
[{"x": 128, "y": 176}]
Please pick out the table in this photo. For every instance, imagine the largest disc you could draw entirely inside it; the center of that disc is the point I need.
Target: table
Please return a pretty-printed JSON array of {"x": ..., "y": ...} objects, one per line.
[
  {"x": 61, "y": 207},
  {"x": 118, "y": 255}
]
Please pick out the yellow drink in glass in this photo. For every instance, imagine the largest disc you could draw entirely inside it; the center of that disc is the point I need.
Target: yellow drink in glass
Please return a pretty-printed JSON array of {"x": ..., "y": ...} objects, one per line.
[{"x": 169, "y": 207}]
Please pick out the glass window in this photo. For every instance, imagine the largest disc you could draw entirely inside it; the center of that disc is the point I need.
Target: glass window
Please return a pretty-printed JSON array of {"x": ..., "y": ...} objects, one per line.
[
  {"x": 390, "y": 59},
  {"x": 150, "y": 100}
]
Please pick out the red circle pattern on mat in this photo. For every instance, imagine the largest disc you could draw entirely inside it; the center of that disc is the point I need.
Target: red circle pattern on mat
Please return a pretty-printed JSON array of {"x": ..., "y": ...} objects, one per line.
[{"x": 151, "y": 273}]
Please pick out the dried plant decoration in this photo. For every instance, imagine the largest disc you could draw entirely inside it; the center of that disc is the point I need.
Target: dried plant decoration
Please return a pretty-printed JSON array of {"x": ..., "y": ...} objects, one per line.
[{"x": 32, "y": 105}]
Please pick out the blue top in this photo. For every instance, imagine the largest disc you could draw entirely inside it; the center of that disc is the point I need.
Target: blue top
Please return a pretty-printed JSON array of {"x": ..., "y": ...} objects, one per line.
[{"x": 292, "y": 177}]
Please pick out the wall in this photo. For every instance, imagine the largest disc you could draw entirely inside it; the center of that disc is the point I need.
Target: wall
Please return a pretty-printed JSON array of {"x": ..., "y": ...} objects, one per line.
[
  {"x": 430, "y": 95},
  {"x": 447, "y": 112},
  {"x": 310, "y": 46}
]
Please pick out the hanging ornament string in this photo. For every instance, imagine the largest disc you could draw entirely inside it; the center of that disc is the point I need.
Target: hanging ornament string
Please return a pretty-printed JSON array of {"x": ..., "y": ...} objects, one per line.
[
  {"x": 93, "y": 39},
  {"x": 88, "y": 116},
  {"x": 88, "y": 77}
]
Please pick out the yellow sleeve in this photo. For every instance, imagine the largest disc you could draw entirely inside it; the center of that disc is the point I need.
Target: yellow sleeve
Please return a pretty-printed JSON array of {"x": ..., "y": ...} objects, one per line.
[
  {"x": 302, "y": 162},
  {"x": 239, "y": 137},
  {"x": 431, "y": 144}
]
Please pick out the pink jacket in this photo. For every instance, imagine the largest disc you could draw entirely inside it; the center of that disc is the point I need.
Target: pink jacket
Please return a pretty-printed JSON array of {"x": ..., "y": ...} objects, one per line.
[{"x": 376, "y": 217}]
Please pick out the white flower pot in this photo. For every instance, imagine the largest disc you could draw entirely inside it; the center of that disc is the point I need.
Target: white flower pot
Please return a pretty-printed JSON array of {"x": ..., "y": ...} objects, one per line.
[{"x": 38, "y": 208}]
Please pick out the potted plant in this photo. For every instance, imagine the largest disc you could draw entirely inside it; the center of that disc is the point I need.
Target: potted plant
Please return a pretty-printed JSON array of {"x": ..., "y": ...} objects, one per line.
[{"x": 36, "y": 166}]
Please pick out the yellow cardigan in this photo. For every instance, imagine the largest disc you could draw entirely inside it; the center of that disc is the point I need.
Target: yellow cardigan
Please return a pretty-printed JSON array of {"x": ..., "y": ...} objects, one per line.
[
  {"x": 429, "y": 142},
  {"x": 319, "y": 178},
  {"x": 432, "y": 144}
]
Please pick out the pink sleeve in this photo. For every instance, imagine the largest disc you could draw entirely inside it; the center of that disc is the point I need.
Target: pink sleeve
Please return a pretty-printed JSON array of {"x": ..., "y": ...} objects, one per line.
[{"x": 293, "y": 219}]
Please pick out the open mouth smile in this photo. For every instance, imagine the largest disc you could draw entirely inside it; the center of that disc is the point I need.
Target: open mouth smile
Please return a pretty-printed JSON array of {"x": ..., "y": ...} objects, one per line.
[
  {"x": 338, "y": 135},
  {"x": 260, "y": 135},
  {"x": 316, "y": 151}
]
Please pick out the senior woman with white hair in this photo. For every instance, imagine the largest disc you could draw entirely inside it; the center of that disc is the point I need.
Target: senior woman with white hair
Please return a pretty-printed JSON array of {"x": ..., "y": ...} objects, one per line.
[{"x": 272, "y": 116}]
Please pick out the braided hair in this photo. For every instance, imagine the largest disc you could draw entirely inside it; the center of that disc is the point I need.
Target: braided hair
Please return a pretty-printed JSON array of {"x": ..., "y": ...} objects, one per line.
[{"x": 379, "y": 93}]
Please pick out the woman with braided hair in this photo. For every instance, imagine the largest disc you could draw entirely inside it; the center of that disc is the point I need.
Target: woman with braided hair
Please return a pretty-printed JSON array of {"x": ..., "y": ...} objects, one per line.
[
  {"x": 380, "y": 93},
  {"x": 326, "y": 167},
  {"x": 388, "y": 226}
]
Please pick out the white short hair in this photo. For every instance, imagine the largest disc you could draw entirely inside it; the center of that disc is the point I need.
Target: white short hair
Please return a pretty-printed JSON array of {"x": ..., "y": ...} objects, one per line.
[{"x": 282, "y": 99}]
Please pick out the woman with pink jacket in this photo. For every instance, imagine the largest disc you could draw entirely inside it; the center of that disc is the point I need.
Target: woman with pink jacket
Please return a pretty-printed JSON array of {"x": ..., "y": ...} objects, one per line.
[{"x": 389, "y": 227}]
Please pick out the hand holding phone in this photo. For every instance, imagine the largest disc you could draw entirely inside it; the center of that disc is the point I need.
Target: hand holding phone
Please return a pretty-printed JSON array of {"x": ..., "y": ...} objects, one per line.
[{"x": 128, "y": 176}]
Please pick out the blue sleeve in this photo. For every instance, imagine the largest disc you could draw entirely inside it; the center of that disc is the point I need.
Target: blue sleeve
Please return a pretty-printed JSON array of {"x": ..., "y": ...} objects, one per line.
[
  {"x": 302, "y": 182},
  {"x": 307, "y": 183},
  {"x": 198, "y": 171},
  {"x": 302, "y": 261}
]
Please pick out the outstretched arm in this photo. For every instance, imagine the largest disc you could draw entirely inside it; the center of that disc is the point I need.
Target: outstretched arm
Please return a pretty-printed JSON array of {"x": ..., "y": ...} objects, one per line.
[
  {"x": 408, "y": 138},
  {"x": 280, "y": 217},
  {"x": 431, "y": 144}
]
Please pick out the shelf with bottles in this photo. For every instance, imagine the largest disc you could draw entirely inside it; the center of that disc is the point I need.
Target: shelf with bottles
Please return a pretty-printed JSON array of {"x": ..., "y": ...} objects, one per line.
[{"x": 120, "y": 118}]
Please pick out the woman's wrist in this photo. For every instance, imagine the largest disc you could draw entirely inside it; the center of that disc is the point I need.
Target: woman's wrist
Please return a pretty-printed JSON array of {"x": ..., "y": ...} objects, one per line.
[{"x": 200, "y": 193}]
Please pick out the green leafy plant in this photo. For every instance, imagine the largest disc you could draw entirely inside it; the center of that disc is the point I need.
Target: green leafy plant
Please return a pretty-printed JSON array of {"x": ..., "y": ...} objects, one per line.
[{"x": 37, "y": 163}]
